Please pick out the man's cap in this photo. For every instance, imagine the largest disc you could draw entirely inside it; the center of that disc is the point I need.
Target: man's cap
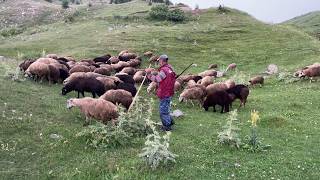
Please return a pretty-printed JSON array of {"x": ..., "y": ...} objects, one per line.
[{"x": 163, "y": 57}]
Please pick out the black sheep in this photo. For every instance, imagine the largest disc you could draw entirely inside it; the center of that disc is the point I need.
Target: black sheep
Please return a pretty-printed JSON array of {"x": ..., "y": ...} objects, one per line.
[
  {"x": 126, "y": 86},
  {"x": 197, "y": 78},
  {"x": 126, "y": 78},
  {"x": 103, "y": 59},
  {"x": 89, "y": 84},
  {"x": 221, "y": 98},
  {"x": 239, "y": 91}
]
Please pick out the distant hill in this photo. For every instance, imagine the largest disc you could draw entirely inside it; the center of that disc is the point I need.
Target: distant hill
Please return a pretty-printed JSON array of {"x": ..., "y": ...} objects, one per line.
[{"x": 309, "y": 22}]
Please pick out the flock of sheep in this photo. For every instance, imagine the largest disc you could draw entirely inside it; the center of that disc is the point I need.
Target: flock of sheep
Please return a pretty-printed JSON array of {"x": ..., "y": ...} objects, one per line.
[{"x": 113, "y": 79}]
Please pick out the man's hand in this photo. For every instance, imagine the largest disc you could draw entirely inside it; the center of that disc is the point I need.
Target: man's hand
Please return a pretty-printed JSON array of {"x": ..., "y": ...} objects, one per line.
[{"x": 149, "y": 70}]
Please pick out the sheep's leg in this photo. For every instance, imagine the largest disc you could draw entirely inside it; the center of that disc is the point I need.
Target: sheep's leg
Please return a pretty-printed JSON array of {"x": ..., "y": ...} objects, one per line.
[
  {"x": 214, "y": 108},
  {"x": 93, "y": 94},
  {"x": 78, "y": 94},
  {"x": 87, "y": 121},
  {"x": 227, "y": 107},
  {"x": 222, "y": 108},
  {"x": 192, "y": 103},
  {"x": 82, "y": 92}
]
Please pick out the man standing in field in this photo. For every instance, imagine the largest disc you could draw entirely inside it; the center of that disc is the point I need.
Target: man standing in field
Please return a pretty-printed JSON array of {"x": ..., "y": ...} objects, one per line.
[{"x": 165, "y": 78}]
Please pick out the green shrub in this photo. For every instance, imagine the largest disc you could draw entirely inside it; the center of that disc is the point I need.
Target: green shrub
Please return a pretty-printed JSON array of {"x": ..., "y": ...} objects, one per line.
[
  {"x": 159, "y": 12},
  {"x": 65, "y": 4},
  {"x": 11, "y": 32},
  {"x": 176, "y": 15},
  {"x": 119, "y": 1},
  {"x": 229, "y": 135}
]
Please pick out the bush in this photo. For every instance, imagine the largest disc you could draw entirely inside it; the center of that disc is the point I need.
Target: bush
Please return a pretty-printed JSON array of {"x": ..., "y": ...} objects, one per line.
[
  {"x": 161, "y": 12},
  {"x": 229, "y": 135},
  {"x": 11, "y": 32},
  {"x": 119, "y": 1},
  {"x": 176, "y": 15},
  {"x": 50, "y": 1},
  {"x": 65, "y": 4}
]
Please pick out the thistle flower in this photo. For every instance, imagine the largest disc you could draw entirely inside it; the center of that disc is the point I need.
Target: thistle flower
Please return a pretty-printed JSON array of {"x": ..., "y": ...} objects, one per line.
[{"x": 254, "y": 118}]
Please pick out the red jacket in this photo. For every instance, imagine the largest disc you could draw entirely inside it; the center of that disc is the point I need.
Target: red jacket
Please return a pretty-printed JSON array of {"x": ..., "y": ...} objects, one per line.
[{"x": 166, "y": 86}]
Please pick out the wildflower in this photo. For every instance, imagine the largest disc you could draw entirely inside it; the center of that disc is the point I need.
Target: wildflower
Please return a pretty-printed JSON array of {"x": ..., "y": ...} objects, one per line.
[{"x": 254, "y": 118}]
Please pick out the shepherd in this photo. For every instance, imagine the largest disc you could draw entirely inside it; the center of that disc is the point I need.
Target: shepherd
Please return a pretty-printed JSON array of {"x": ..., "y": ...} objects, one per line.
[{"x": 165, "y": 79}]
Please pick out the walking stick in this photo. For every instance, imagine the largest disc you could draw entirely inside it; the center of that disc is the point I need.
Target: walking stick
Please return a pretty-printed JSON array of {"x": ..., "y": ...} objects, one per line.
[
  {"x": 135, "y": 97},
  {"x": 184, "y": 70}
]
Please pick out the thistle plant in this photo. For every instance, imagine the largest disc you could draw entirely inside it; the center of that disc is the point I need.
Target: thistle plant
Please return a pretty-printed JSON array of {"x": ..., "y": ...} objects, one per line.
[
  {"x": 156, "y": 150},
  {"x": 229, "y": 135},
  {"x": 254, "y": 143}
]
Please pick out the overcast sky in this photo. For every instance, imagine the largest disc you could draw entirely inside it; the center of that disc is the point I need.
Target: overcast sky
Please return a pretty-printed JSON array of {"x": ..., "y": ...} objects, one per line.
[{"x": 271, "y": 11}]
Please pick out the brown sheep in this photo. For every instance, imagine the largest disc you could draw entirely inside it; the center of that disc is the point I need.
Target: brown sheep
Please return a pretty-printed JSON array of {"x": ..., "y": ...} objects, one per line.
[
  {"x": 208, "y": 73},
  {"x": 221, "y": 98},
  {"x": 256, "y": 80},
  {"x": 77, "y": 75},
  {"x": 206, "y": 81},
  {"x": 154, "y": 59},
  {"x": 230, "y": 83},
  {"x": 108, "y": 82},
  {"x": 231, "y": 67},
  {"x": 152, "y": 87},
  {"x": 139, "y": 76},
  {"x": 194, "y": 93},
  {"x": 177, "y": 86},
  {"x": 83, "y": 63},
  {"x": 186, "y": 78},
  {"x": 103, "y": 71},
  {"x": 99, "y": 109},
  {"x": 239, "y": 91},
  {"x": 123, "y": 52},
  {"x": 89, "y": 61},
  {"x": 79, "y": 68},
  {"x": 148, "y": 54},
  {"x": 46, "y": 60},
  {"x": 114, "y": 60},
  {"x": 129, "y": 70},
  {"x": 134, "y": 62},
  {"x": 25, "y": 64},
  {"x": 127, "y": 56},
  {"x": 43, "y": 71},
  {"x": 53, "y": 56},
  {"x": 311, "y": 71},
  {"x": 190, "y": 83},
  {"x": 216, "y": 87},
  {"x": 118, "y": 96},
  {"x": 213, "y": 66}
]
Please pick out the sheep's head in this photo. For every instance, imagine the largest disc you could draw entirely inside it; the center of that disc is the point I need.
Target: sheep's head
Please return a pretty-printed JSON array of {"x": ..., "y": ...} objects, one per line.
[
  {"x": 181, "y": 99},
  {"x": 70, "y": 103},
  {"x": 64, "y": 90}
]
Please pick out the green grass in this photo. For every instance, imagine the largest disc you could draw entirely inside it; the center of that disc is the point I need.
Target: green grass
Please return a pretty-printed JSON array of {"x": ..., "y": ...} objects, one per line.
[
  {"x": 289, "y": 112},
  {"x": 309, "y": 22}
]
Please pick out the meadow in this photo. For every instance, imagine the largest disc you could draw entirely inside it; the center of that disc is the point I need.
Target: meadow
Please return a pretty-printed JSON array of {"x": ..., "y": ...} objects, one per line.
[{"x": 289, "y": 112}]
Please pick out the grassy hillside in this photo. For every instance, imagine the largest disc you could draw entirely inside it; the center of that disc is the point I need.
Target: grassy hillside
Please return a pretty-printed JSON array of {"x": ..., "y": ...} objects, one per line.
[
  {"x": 309, "y": 22},
  {"x": 31, "y": 112}
]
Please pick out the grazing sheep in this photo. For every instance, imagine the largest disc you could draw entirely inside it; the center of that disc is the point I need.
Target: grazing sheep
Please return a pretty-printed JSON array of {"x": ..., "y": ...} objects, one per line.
[
  {"x": 25, "y": 64},
  {"x": 134, "y": 62},
  {"x": 213, "y": 66},
  {"x": 84, "y": 84},
  {"x": 177, "y": 86},
  {"x": 197, "y": 78},
  {"x": 89, "y": 61},
  {"x": 221, "y": 98},
  {"x": 114, "y": 60},
  {"x": 127, "y": 86},
  {"x": 103, "y": 71},
  {"x": 125, "y": 78},
  {"x": 190, "y": 83},
  {"x": 272, "y": 69},
  {"x": 108, "y": 82},
  {"x": 216, "y": 87},
  {"x": 154, "y": 59},
  {"x": 186, "y": 78},
  {"x": 79, "y": 68},
  {"x": 127, "y": 56},
  {"x": 46, "y": 60},
  {"x": 208, "y": 73},
  {"x": 139, "y": 76},
  {"x": 103, "y": 59},
  {"x": 148, "y": 54},
  {"x": 99, "y": 109},
  {"x": 311, "y": 71},
  {"x": 239, "y": 91},
  {"x": 230, "y": 83},
  {"x": 194, "y": 93},
  {"x": 118, "y": 96},
  {"x": 120, "y": 65},
  {"x": 53, "y": 56},
  {"x": 123, "y": 52},
  {"x": 128, "y": 70},
  {"x": 231, "y": 67},
  {"x": 206, "y": 81},
  {"x": 257, "y": 80},
  {"x": 152, "y": 87},
  {"x": 52, "y": 72}
]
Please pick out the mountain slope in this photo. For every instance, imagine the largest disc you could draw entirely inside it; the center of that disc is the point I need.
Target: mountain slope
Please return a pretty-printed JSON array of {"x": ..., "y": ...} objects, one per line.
[
  {"x": 289, "y": 113},
  {"x": 309, "y": 22}
]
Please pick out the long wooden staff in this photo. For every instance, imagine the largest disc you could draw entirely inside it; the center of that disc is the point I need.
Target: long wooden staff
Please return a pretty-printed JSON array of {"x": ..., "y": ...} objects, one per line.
[{"x": 135, "y": 97}]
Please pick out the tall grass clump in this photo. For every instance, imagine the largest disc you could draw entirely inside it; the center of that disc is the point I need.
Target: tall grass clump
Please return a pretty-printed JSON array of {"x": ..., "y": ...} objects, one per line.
[{"x": 162, "y": 13}]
